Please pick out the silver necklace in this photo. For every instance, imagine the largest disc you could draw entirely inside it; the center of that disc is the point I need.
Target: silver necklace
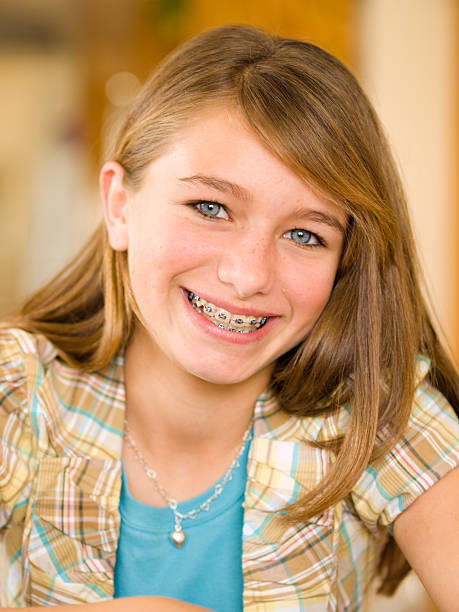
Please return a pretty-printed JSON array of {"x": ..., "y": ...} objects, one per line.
[{"x": 177, "y": 535}]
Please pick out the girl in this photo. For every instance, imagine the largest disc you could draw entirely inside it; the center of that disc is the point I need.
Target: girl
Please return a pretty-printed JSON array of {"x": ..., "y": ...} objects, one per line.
[{"x": 233, "y": 396}]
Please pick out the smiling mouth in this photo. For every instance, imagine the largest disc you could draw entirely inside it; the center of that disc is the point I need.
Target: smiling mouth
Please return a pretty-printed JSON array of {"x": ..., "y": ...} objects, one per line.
[{"x": 238, "y": 323}]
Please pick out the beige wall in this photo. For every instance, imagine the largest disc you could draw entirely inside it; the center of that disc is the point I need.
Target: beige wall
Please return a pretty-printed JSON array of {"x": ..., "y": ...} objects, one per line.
[
  {"x": 46, "y": 208},
  {"x": 408, "y": 66}
]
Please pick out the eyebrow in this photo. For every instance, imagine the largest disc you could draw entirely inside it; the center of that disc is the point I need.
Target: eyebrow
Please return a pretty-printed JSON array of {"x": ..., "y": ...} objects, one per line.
[
  {"x": 219, "y": 184},
  {"x": 319, "y": 217}
]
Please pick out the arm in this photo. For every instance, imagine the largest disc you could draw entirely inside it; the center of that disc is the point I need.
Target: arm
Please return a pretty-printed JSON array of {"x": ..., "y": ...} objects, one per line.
[
  {"x": 137, "y": 604},
  {"x": 428, "y": 535}
]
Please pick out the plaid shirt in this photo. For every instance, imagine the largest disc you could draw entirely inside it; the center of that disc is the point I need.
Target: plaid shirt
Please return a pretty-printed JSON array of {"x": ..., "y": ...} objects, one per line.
[{"x": 60, "y": 480}]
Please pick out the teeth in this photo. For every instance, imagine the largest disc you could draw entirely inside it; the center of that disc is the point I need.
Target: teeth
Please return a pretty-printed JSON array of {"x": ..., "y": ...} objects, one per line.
[{"x": 225, "y": 320}]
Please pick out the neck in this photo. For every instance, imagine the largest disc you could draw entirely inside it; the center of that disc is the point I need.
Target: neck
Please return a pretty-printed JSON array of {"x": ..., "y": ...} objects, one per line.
[{"x": 175, "y": 413}]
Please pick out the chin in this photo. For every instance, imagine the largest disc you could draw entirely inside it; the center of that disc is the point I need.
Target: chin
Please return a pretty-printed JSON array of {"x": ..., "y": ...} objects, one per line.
[
  {"x": 220, "y": 378},
  {"x": 221, "y": 375}
]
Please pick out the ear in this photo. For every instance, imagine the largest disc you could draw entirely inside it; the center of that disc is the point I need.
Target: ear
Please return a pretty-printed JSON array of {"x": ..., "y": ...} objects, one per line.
[{"x": 115, "y": 199}]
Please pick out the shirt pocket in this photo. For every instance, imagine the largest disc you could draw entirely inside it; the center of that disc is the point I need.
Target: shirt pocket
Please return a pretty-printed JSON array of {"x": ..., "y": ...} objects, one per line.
[{"x": 74, "y": 530}]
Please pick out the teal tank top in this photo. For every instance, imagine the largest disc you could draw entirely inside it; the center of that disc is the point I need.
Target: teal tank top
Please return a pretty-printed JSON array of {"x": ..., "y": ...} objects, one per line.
[{"x": 207, "y": 570}]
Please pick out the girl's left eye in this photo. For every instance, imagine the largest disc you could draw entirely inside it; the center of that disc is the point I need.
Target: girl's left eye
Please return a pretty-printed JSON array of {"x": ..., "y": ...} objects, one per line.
[
  {"x": 211, "y": 209},
  {"x": 303, "y": 237}
]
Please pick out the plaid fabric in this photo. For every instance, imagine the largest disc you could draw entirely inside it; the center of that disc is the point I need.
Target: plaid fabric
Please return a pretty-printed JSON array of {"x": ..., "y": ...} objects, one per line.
[{"x": 60, "y": 480}]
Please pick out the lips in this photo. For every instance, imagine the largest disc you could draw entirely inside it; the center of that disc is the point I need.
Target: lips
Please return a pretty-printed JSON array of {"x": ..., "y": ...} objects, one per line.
[{"x": 239, "y": 323}]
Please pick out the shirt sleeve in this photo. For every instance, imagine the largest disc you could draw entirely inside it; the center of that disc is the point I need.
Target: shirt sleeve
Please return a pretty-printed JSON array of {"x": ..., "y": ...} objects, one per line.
[
  {"x": 17, "y": 441},
  {"x": 427, "y": 451}
]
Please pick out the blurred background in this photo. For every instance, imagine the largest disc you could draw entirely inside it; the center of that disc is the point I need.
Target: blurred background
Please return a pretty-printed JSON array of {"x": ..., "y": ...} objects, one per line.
[{"x": 68, "y": 70}]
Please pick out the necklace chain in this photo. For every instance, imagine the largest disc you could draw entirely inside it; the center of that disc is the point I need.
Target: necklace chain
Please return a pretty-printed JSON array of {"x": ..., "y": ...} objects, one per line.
[{"x": 178, "y": 535}]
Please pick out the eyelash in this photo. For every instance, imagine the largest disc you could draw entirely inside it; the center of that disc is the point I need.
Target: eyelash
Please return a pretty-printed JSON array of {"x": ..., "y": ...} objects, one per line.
[
  {"x": 320, "y": 241},
  {"x": 197, "y": 203}
]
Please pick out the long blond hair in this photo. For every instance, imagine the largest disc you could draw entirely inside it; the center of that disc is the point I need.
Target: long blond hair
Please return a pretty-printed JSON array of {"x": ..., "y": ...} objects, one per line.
[{"x": 308, "y": 109}]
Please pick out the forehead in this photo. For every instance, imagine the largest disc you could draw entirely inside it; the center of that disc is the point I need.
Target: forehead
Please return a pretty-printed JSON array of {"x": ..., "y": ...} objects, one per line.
[{"x": 219, "y": 136}]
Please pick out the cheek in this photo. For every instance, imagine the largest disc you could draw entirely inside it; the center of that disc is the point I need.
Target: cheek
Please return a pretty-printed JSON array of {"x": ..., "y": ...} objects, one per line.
[
  {"x": 159, "y": 249},
  {"x": 309, "y": 290}
]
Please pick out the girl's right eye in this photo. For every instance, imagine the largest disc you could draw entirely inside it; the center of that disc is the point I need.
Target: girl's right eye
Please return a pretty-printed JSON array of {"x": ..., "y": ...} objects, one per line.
[{"x": 211, "y": 209}]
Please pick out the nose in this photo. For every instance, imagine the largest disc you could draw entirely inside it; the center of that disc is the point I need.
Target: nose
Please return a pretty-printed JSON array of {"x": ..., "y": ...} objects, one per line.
[{"x": 247, "y": 262}]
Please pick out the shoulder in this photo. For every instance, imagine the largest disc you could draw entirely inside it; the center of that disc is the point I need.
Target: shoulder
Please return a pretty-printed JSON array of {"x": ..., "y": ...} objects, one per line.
[
  {"x": 22, "y": 353},
  {"x": 57, "y": 401},
  {"x": 427, "y": 451},
  {"x": 23, "y": 359},
  {"x": 26, "y": 343}
]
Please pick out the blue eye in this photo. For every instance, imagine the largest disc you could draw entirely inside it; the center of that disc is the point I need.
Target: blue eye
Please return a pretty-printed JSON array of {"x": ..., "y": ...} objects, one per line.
[
  {"x": 303, "y": 237},
  {"x": 211, "y": 209}
]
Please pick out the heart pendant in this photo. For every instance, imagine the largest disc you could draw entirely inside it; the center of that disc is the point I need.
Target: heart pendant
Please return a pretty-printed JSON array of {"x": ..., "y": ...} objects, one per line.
[{"x": 178, "y": 538}]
